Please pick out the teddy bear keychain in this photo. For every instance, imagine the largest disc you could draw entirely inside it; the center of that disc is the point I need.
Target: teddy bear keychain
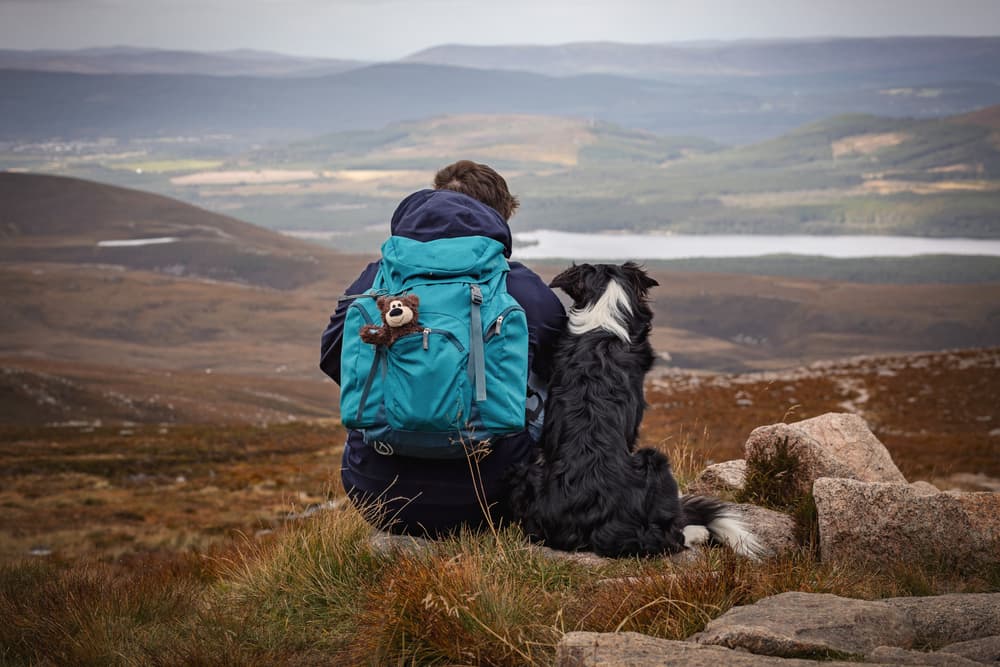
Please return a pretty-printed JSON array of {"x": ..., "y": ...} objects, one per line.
[{"x": 399, "y": 317}]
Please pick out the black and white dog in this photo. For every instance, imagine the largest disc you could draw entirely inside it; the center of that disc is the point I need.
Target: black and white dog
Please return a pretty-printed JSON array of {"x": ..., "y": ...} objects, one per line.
[{"x": 591, "y": 489}]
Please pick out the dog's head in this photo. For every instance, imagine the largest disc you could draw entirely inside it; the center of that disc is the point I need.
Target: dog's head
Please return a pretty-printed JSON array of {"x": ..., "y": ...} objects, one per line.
[{"x": 613, "y": 297}]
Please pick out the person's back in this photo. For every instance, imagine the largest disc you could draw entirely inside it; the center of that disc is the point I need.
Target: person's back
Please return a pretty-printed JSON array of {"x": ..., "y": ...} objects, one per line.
[{"x": 431, "y": 496}]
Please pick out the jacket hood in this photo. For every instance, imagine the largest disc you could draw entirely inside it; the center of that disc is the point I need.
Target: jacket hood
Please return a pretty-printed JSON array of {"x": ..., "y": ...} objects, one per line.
[{"x": 428, "y": 215}]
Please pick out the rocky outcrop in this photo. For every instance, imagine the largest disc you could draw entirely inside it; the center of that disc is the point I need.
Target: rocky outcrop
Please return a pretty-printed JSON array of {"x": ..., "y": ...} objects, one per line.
[
  {"x": 809, "y": 625},
  {"x": 794, "y": 629},
  {"x": 986, "y": 649},
  {"x": 831, "y": 445},
  {"x": 944, "y": 619},
  {"x": 891, "y": 655},
  {"x": 896, "y": 523},
  {"x": 607, "y": 649}
]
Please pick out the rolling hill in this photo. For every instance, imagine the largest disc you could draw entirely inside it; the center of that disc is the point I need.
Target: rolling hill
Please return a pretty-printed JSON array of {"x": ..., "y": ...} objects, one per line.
[
  {"x": 57, "y": 219},
  {"x": 132, "y": 60},
  {"x": 735, "y": 93},
  {"x": 905, "y": 60},
  {"x": 850, "y": 174},
  {"x": 130, "y": 336}
]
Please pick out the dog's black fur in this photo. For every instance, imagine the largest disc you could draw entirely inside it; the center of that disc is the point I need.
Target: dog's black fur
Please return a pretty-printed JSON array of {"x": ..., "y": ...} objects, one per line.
[{"x": 590, "y": 489}]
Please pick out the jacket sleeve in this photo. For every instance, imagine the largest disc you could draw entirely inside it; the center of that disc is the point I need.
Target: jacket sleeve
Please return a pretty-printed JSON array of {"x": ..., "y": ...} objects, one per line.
[
  {"x": 333, "y": 335},
  {"x": 545, "y": 314}
]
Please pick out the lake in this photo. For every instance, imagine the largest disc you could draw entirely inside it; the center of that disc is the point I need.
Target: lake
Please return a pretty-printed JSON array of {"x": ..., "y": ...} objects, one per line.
[{"x": 545, "y": 244}]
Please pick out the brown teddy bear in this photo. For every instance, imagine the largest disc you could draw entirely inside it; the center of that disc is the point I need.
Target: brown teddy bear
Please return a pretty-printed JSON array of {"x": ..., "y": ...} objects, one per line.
[{"x": 399, "y": 314}]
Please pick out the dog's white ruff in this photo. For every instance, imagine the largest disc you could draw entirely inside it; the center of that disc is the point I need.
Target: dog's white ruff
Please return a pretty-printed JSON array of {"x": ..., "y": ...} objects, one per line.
[{"x": 608, "y": 313}]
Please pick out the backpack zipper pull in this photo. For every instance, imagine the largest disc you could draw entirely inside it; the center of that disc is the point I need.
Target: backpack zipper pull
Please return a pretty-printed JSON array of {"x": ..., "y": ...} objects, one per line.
[
  {"x": 427, "y": 336},
  {"x": 496, "y": 332}
]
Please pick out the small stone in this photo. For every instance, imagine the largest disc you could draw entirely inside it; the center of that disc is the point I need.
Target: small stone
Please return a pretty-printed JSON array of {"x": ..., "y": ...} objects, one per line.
[
  {"x": 383, "y": 542},
  {"x": 924, "y": 488},
  {"x": 720, "y": 479}
]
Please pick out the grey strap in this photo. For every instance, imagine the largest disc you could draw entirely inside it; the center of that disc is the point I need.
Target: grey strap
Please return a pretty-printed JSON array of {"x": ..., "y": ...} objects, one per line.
[{"x": 477, "y": 356}]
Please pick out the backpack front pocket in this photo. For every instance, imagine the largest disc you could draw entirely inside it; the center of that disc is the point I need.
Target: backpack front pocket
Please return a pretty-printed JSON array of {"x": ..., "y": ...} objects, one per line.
[
  {"x": 427, "y": 385},
  {"x": 506, "y": 353}
]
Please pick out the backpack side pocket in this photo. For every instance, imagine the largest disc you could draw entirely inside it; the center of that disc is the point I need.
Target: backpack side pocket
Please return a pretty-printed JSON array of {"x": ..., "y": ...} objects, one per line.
[{"x": 361, "y": 390}]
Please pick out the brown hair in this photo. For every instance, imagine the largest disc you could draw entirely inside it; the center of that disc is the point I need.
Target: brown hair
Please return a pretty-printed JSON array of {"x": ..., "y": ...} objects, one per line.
[{"x": 479, "y": 181}]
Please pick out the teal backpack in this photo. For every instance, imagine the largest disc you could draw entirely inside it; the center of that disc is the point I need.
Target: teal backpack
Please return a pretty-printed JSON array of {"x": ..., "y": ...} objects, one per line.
[{"x": 457, "y": 383}]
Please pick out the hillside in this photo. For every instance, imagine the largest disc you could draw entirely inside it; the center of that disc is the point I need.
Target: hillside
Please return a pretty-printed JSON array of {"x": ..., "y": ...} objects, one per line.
[
  {"x": 223, "y": 324},
  {"x": 131, "y": 60},
  {"x": 734, "y": 93},
  {"x": 903, "y": 59},
  {"x": 56, "y": 219},
  {"x": 851, "y": 174}
]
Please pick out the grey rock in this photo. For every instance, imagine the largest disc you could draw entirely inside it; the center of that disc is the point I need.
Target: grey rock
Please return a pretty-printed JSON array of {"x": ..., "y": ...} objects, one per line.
[
  {"x": 582, "y": 557},
  {"x": 720, "y": 479},
  {"x": 938, "y": 620},
  {"x": 831, "y": 445},
  {"x": 607, "y": 649},
  {"x": 775, "y": 531},
  {"x": 383, "y": 542},
  {"x": 809, "y": 625},
  {"x": 590, "y": 559},
  {"x": 895, "y": 523},
  {"x": 985, "y": 650},
  {"x": 899, "y": 656}
]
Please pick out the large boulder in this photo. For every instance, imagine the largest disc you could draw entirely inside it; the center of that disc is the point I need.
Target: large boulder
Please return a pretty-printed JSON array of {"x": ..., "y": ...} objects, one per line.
[
  {"x": 831, "y": 445},
  {"x": 896, "y": 523},
  {"x": 810, "y": 625}
]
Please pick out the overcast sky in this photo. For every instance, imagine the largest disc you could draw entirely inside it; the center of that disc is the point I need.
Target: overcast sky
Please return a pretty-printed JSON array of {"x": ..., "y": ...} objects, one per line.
[{"x": 389, "y": 29}]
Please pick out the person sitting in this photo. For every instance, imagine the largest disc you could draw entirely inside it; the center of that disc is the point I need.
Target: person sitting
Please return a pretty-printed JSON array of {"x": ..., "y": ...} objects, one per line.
[{"x": 434, "y": 497}]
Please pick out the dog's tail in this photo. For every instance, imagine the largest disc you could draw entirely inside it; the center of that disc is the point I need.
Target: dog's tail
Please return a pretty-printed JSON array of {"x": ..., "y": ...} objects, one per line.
[{"x": 709, "y": 518}]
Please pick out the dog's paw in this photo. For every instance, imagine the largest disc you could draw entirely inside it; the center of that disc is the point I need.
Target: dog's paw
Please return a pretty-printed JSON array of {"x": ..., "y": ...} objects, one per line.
[{"x": 694, "y": 535}]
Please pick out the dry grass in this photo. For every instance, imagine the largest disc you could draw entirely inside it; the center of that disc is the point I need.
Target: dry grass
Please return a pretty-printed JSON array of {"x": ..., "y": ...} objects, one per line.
[
  {"x": 318, "y": 592},
  {"x": 149, "y": 570}
]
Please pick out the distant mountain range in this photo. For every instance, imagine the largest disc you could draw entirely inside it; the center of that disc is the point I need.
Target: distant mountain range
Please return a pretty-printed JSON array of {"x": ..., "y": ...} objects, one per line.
[
  {"x": 882, "y": 61},
  {"x": 734, "y": 93},
  {"x": 131, "y": 60}
]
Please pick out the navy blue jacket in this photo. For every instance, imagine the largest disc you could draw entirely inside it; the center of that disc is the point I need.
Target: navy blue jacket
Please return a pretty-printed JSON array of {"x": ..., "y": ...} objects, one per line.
[{"x": 434, "y": 496}]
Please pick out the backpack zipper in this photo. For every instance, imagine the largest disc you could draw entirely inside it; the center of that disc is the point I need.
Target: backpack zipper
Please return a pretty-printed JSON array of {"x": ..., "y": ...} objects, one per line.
[
  {"x": 497, "y": 324},
  {"x": 426, "y": 334}
]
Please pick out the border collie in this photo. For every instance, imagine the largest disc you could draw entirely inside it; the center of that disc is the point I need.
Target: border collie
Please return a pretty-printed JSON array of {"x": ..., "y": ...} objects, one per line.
[{"x": 590, "y": 488}]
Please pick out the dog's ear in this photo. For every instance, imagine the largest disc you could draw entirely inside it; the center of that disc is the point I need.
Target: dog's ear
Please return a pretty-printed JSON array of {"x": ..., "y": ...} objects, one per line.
[
  {"x": 637, "y": 274},
  {"x": 571, "y": 281}
]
